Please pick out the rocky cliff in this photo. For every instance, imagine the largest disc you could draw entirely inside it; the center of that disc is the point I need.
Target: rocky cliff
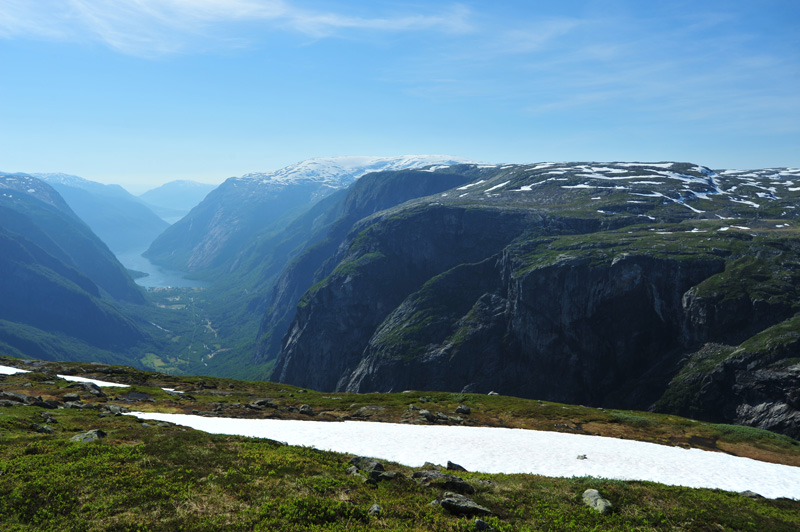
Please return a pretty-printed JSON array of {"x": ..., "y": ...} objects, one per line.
[{"x": 591, "y": 284}]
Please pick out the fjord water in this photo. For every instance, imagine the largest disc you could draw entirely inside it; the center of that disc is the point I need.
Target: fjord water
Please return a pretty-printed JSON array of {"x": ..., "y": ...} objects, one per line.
[{"x": 157, "y": 276}]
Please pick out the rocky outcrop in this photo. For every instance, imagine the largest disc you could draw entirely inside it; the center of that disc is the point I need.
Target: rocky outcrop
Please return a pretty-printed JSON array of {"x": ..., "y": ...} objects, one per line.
[{"x": 755, "y": 384}]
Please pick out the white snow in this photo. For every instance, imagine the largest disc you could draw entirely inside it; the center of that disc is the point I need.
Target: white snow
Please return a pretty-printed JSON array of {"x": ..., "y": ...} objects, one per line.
[
  {"x": 746, "y": 202},
  {"x": 8, "y": 370},
  {"x": 500, "y": 450},
  {"x": 341, "y": 171},
  {"x": 501, "y": 185},
  {"x": 465, "y": 187}
]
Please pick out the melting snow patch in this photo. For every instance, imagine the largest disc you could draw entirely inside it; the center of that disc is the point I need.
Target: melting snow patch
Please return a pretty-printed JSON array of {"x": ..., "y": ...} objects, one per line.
[
  {"x": 465, "y": 187},
  {"x": 742, "y": 227},
  {"x": 746, "y": 202},
  {"x": 497, "y": 186},
  {"x": 500, "y": 450},
  {"x": 8, "y": 370}
]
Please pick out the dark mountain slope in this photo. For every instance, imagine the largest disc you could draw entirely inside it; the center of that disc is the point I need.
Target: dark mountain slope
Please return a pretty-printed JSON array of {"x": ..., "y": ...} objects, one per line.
[
  {"x": 36, "y": 211},
  {"x": 585, "y": 283},
  {"x": 211, "y": 238},
  {"x": 371, "y": 193},
  {"x": 60, "y": 285}
]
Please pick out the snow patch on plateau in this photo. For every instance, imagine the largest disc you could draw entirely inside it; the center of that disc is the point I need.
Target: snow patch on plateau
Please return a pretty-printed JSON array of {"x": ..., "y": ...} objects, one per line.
[{"x": 501, "y": 450}]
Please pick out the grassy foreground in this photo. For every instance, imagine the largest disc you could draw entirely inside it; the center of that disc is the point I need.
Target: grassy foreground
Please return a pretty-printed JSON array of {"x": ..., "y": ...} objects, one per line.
[{"x": 152, "y": 476}]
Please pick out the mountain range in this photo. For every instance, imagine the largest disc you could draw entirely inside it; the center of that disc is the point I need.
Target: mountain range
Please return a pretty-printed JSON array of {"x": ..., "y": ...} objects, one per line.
[
  {"x": 121, "y": 220},
  {"x": 60, "y": 283},
  {"x": 665, "y": 286}
]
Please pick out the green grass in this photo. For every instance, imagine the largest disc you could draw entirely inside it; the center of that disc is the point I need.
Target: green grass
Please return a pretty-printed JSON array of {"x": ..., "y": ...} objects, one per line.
[{"x": 165, "y": 478}]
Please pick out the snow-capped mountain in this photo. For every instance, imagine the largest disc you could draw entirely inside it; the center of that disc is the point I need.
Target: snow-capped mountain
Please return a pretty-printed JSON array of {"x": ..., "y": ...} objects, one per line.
[
  {"x": 339, "y": 172},
  {"x": 216, "y": 231}
]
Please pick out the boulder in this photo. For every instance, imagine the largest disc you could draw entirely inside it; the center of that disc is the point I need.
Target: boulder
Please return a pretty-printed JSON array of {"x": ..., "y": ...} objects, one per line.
[
  {"x": 90, "y": 436},
  {"x": 460, "y": 505},
  {"x": 375, "y": 509},
  {"x": 437, "y": 479},
  {"x": 452, "y": 466},
  {"x": 364, "y": 463},
  {"x": 463, "y": 409},
  {"x": 480, "y": 524},
  {"x": 15, "y": 397},
  {"x": 593, "y": 499},
  {"x": 306, "y": 410}
]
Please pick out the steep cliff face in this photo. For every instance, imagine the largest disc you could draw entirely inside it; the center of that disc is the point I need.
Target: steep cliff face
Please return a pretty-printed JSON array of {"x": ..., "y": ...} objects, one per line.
[
  {"x": 572, "y": 330},
  {"x": 370, "y": 194},
  {"x": 601, "y": 288},
  {"x": 335, "y": 321}
]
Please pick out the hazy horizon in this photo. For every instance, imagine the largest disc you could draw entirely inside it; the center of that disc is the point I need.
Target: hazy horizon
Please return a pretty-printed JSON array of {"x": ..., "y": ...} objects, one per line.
[{"x": 143, "y": 92}]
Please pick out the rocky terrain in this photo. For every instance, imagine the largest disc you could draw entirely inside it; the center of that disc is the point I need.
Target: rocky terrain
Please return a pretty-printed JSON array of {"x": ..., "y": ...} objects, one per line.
[{"x": 602, "y": 284}]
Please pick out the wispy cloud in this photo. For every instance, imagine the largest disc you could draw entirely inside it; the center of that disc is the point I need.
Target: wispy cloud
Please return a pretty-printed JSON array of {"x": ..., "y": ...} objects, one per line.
[{"x": 156, "y": 27}]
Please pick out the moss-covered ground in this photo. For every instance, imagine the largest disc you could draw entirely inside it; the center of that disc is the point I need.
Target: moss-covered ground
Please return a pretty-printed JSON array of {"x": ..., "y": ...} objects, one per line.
[{"x": 153, "y": 476}]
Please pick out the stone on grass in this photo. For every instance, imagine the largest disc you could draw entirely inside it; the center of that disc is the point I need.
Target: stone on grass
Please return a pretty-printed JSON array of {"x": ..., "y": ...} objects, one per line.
[
  {"x": 90, "y": 436},
  {"x": 480, "y": 524},
  {"x": 463, "y": 409},
  {"x": 306, "y": 410},
  {"x": 437, "y": 479},
  {"x": 460, "y": 505},
  {"x": 593, "y": 499},
  {"x": 452, "y": 466},
  {"x": 364, "y": 463},
  {"x": 375, "y": 510}
]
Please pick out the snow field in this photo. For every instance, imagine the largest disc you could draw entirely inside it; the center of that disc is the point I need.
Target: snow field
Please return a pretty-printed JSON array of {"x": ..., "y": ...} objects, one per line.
[{"x": 500, "y": 450}]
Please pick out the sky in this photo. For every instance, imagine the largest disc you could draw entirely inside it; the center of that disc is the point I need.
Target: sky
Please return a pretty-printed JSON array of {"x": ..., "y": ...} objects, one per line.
[{"x": 141, "y": 92}]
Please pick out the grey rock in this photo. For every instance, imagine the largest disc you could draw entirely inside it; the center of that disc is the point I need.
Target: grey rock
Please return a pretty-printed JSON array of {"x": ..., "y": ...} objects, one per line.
[
  {"x": 306, "y": 410},
  {"x": 89, "y": 387},
  {"x": 42, "y": 429},
  {"x": 480, "y": 524},
  {"x": 15, "y": 397},
  {"x": 373, "y": 477},
  {"x": 74, "y": 404},
  {"x": 458, "y": 504},
  {"x": 49, "y": 403},
  {"x": 751, "y": 495},
  {"x": 428, "y": 466},
  {"x": 375, "y": 510},
  {"x": 364, "y": 463},
  {"x": 593, "y": 499},
  {"x": 437, "y": 479},
  {"x": 582, "y": 457},
  {"x": 90, "y": 436},
  {"x": 264, "y": 403},
  {"x": 115, "y": 410},
  {"x": 463, "y": 409},
  {"x": 427, "y": 415},
  {"x": 368, "y": 411},
  {"x": 71, "y": 397},
  {"x": 452, "y": 466}
]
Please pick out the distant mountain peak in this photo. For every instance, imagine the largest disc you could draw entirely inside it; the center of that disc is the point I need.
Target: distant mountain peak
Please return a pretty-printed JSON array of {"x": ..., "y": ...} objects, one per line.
[{"x": 339, "y": 172}]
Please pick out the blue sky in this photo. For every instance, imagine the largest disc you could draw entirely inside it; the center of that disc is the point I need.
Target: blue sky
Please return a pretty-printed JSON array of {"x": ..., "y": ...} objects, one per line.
[{"x": 141, "y": 92}]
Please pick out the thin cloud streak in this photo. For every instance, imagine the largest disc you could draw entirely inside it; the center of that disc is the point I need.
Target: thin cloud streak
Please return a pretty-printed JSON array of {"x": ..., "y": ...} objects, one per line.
[{"x": 158, "y": 27}]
